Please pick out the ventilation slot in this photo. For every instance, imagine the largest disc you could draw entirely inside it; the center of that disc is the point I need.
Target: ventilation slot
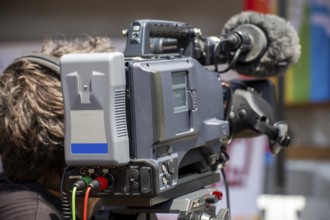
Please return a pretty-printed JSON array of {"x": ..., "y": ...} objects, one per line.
[{"x": 120, "y": 113}]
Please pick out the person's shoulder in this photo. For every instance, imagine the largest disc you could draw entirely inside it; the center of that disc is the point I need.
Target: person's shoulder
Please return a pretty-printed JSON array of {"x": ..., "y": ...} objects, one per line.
[{"x": 18, "y": 201}]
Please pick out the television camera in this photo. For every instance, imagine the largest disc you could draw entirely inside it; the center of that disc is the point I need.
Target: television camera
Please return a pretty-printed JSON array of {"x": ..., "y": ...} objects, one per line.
[{"x": 147, "y": 129}]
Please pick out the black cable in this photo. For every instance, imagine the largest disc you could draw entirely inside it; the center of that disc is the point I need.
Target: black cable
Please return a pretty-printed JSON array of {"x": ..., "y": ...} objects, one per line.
[
  {"x": 232, "y": 62},
  {"x": 66, "y": 206},
  {"x": 226, "y": 189}
]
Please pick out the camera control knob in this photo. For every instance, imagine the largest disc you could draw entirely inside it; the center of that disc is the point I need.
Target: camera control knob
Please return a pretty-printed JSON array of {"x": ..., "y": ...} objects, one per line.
[
  {"x": 164, "y": 168},
  {"x": 134, "y": 186},
  {"x": 134, "y": 174}
]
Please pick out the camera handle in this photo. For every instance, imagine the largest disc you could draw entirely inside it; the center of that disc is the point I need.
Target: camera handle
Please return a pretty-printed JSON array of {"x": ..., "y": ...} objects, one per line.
[
  {"x": 140, "y": 31},
  {"x": 252, "y": 115},
  {"x": 277, "y": 134}
]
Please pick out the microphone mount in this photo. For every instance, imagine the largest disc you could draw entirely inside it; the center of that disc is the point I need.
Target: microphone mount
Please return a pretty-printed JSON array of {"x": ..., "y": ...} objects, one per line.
[{"x": 236, "y": 40}]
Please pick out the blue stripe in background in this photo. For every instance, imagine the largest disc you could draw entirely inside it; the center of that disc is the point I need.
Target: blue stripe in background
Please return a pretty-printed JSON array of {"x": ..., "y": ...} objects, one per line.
[
  {"x": 320, "y": 53},
  {"x": 89, "y": 148}
]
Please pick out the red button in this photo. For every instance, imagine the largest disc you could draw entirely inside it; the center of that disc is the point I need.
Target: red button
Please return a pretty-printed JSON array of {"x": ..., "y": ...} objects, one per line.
[{"x": 217, "y": 194}]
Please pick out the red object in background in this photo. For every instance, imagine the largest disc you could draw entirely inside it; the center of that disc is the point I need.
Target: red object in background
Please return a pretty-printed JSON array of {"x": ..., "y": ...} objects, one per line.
[{"x": 263, "y": 6}]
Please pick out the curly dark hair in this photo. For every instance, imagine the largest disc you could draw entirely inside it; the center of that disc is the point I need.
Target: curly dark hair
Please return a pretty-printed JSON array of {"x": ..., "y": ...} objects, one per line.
[{"x": 32, "y": 113}]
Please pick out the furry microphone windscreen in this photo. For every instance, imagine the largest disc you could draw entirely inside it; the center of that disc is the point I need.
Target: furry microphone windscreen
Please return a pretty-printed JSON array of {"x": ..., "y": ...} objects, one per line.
[{"x": 283, "y": 46}]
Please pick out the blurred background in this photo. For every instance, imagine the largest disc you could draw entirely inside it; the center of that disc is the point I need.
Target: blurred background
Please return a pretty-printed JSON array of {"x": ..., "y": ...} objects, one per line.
[{"x": 304, "y": 92}]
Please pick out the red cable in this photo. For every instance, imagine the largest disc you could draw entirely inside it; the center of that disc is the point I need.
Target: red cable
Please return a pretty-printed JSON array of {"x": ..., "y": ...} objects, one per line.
[
  {"x": 98, "y": 184},
  {"x": 86, "y": 202}
]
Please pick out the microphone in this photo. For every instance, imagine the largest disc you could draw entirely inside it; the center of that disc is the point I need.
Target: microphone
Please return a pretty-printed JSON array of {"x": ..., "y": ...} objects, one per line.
[{"x": 268, "y": 44}]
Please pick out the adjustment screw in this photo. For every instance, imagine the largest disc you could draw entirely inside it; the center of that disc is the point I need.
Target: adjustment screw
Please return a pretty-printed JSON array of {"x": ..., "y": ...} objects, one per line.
[{"x": 242, "y": 113}]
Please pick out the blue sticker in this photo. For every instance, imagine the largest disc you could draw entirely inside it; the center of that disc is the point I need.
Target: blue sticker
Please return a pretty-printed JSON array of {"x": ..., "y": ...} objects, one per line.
[{"x": 89, "y": 148}]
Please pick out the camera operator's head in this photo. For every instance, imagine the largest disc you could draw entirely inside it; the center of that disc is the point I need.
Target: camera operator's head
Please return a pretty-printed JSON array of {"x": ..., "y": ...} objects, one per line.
[{"x": 32, "y": 115}]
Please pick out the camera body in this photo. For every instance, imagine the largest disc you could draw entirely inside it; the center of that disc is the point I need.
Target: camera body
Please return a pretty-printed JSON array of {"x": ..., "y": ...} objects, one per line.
[
  {"x": 151, "y": 124},
  {"x": 169, "y": 116},
  {"x": 153, "y": 121}
]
